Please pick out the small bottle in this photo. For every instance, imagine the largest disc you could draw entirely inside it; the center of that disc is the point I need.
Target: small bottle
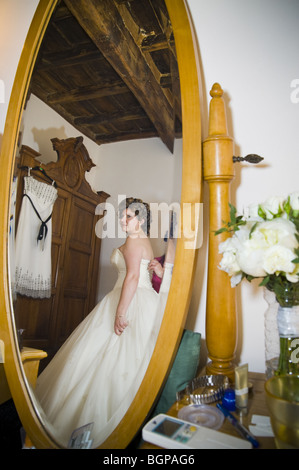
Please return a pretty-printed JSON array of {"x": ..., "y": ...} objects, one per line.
[
  {"x": 241, "y": 386},
  {"x": 229, "y": 399}
]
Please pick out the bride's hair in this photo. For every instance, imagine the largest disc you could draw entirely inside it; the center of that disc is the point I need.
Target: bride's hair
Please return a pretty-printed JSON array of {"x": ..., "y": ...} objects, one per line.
[{"x": 140, "y": 208}]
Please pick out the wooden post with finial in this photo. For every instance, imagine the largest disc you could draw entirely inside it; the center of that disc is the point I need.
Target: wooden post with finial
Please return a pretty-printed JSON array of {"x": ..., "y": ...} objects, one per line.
[{"x": 221, "y": 322}]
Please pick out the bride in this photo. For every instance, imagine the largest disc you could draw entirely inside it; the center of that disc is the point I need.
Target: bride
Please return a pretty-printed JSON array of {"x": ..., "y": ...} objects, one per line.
[{"x": 95, "y": 375}]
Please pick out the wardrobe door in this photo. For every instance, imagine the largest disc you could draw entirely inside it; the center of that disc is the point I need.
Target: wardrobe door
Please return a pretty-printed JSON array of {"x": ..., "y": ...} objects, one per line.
[
  {"x": 78, "y": 266},
  {"x": 60, "y": 223}
]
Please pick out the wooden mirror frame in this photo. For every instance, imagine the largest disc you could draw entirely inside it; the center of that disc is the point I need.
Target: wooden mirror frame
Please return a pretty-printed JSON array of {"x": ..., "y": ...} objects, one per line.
[{"x": 185, "y": 261}]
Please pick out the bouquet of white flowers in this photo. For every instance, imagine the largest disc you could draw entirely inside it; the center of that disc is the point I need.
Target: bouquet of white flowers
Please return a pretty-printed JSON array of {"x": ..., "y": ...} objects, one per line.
[{"x": 265, "y": 244}]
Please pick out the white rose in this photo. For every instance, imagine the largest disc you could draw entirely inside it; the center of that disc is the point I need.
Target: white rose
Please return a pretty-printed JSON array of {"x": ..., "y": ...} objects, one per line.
[
  {"x": 250, "y": 260},
  {"x": 243, "y": 234},
  {"x": 227, "y": 245},
  {"x": 257, "y": 240},
  {"x": 293, "y": 276},
  {"x": 278, "y": 259},
  {"x": 235, "y": 280},
  {"x": 229, "y": 263},
  {"x": 243, "y": 253},
  {"x": 275, "y": 231},
  {"x": 294, "y": 201},
  {"x": 252, "y": 212},
  {"x": 272, "y": 206}
]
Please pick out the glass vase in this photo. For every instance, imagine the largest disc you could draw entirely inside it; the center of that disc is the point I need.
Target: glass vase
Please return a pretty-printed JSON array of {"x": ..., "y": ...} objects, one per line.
[
  {"x": 272, "y": 347},
  {"x": 288, "y": 328}
]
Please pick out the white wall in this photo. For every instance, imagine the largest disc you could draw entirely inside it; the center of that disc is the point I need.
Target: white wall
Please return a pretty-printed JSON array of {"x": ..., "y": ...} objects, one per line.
[
  {"x": 15, "y": 19},
  {"x": 251, "y": 49}
]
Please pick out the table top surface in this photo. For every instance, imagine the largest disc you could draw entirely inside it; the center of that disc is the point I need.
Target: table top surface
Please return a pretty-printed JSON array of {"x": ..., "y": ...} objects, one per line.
[{"x": 256, "y": 406}]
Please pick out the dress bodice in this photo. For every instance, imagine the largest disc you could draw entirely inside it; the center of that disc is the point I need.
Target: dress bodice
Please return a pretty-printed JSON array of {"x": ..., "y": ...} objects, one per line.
[
  {"x": 118, "y": 260},
  {"x": 42, "y": 194}
]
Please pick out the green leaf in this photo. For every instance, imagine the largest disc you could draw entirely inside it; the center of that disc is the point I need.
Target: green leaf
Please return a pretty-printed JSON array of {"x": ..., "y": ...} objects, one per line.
[
  {"x": 234, "y": 223},
  {"x": 221, "y": 230},
  {"x": 261, "y": 213},
  {"x": 287, "y": 206},
  {"x": 265, "y": 281},
  {"x": 233, "y": 212},
  {"x": 252, "y": 229}
]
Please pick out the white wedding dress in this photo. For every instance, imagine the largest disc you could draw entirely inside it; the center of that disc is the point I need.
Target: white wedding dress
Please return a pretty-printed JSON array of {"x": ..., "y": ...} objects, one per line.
[{"x": 95, "y": 375}]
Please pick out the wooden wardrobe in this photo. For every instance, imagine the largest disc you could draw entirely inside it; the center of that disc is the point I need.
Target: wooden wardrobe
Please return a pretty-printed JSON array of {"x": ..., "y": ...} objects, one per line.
[{"x": 46, "y": 323}]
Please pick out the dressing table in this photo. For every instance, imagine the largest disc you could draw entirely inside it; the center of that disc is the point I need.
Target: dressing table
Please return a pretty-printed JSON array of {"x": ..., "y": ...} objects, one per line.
[{"x": 256, "y": 406}]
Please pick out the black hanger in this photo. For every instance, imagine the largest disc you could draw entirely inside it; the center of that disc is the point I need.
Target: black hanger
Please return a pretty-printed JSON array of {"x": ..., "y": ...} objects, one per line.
[{"x": 39, "y": 168}]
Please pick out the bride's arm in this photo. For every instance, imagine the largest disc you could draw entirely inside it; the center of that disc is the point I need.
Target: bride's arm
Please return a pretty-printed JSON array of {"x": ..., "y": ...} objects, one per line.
[{"x": 132, "y": 255}]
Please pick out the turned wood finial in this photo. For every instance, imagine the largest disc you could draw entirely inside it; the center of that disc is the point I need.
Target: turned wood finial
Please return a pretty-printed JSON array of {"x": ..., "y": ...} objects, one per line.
[
  {"x": 216, "y": 90},
  {"x": 217, "y": 121}
]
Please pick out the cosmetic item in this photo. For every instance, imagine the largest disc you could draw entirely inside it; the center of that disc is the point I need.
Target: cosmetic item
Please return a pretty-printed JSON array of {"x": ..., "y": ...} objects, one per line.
[
  {"x": 239, "y": 427},
  {"x": 241, "y": 386},
  {"x": 229, "y": 399}
]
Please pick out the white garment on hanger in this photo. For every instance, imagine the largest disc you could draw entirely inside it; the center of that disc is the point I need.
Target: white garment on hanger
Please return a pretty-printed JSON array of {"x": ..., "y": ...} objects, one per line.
[{"x": 33, "y": 257}]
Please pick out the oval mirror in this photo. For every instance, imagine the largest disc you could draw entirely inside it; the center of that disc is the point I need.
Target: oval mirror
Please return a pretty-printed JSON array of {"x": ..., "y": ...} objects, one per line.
[{"x": 34, "y": 422}]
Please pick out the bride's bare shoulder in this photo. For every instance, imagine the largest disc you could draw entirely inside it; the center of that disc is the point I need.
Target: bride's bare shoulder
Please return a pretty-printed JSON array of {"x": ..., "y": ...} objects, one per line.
[{"x": 139, "y": 247}]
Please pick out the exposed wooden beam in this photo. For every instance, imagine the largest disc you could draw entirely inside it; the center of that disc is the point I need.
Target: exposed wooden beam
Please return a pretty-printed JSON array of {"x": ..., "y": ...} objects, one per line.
[
  {"x": 122, "y": 136},
  {"x": 103, "y": 23},
  {"x": 108, "y": 117},
  {"x": 88, "y": 93},
  {"x": 149, "y": 44},
  {"x": 70, "y": 58}
]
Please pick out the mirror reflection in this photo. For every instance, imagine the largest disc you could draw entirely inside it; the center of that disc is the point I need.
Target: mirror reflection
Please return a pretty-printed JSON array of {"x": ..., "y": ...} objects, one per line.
[
  {"x": 93, "y": 377},
  {"x": 58, "y": 213}
]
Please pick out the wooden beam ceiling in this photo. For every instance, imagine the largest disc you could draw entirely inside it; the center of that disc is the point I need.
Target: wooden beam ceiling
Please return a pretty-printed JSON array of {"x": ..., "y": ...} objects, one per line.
[
  {"x": 109, "y": 68},
  {"x": 106, "y": 25}
]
